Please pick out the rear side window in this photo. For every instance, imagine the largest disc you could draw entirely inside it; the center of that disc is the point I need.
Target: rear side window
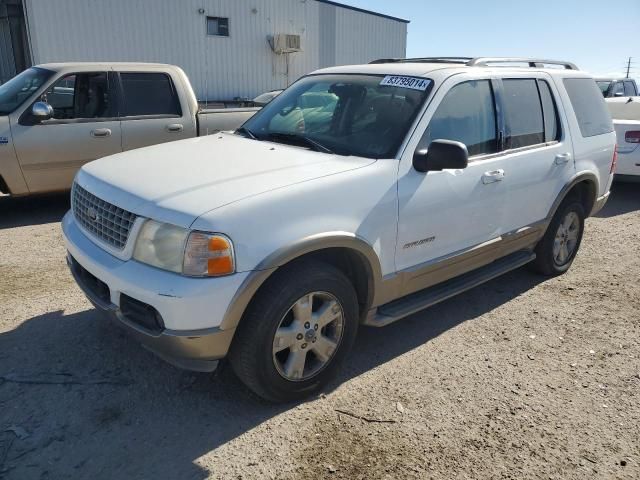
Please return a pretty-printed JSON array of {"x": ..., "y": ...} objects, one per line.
[
  {"x": 466, "y": 114},
  {"x": 550, "y": 112},
  {"x": 629, "y": 89},
  {"x": 149, "y": 94},
  {"x": 589, "y": 106},
  {"x": 523, "y": 112},
  {"x": 618, "y": 89}
]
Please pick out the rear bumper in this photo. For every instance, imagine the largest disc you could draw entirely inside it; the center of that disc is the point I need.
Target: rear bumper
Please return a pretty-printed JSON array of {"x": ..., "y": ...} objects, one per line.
[{"x": 600, "y": 203}]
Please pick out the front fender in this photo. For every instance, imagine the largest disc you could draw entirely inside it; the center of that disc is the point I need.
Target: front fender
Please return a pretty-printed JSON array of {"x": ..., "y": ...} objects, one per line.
[{"x": 284, "y": 255}]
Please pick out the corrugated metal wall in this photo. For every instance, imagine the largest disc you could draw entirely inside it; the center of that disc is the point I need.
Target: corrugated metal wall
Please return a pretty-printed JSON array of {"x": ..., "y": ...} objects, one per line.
[{"x": 173, "y": 31}]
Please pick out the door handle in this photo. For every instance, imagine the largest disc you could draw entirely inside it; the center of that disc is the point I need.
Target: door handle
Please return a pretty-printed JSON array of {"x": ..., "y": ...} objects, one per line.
[
  {"x": 493, "y": 176},
  {"x": 562, "y": 158},
  {"x": 175, "y": 127},
  {"x": 101, "y": 132}
]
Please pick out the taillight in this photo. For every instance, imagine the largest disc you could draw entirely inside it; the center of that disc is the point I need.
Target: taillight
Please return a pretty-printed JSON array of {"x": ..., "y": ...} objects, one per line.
[
  {"x": 632, "y": 136},
  {"x": 614, "y": 160}
]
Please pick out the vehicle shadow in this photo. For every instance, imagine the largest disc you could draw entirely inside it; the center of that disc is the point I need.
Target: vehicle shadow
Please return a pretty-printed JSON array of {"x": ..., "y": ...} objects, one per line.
[
  {"x": 32, "y": 210},
  {"x": 625, "y": 198},
  {"x": 122, "y": 413}
]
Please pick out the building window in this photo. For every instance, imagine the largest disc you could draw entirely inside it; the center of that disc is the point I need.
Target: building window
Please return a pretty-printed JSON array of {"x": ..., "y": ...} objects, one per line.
[{"x": 218, "y": 26}]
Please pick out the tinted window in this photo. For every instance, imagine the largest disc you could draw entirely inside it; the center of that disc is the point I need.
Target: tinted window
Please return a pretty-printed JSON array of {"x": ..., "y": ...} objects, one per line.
[
  {"x": 589, "y": 106},
  {"x": 466, "y": 114},
  {"x": 604, "y": 86},
  {"x": 218, "y": 26},
  {"x": 82, "y": 95},
  {"x": 523, "y": 113},
  {"x": 629, "y": 89},
  {"x": 618, "y": 89},
  {"x": 149, "y": 94},
  {"x": 550, "y": 111},
  {"x": 349, "y": 114}
]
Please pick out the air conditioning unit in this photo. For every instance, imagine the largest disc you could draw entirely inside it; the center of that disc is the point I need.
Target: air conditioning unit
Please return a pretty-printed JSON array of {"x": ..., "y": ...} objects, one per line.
[{"x": 285, "y": 43}]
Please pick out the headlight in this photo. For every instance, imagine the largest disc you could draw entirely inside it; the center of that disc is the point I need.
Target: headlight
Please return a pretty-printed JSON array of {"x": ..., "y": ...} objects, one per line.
[{"x": 195, "y": 254}]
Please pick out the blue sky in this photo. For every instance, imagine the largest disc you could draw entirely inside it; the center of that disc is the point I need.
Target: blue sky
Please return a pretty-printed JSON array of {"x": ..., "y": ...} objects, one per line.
[{"x": 598, "y": 36}]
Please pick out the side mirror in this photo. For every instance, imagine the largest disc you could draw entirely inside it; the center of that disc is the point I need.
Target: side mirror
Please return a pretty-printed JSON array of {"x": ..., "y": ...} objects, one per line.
[
  {"x": 441, "y": 155},
  {"x": 41, "y": 111}
]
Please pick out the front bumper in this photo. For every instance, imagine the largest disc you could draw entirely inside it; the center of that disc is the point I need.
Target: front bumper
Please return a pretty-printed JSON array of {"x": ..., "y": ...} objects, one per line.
[{"x": 189, "y": 311}]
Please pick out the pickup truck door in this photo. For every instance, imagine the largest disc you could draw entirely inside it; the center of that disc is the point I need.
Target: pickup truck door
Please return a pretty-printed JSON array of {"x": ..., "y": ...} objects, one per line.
[
  {"x": 151, "y": 110},
  {"x": 451, "y": 221},
  {"x": 84, "y": 127}
]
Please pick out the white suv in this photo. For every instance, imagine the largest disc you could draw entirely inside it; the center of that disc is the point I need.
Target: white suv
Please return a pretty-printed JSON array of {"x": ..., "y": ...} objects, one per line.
[{"x": 360, "y": 195}]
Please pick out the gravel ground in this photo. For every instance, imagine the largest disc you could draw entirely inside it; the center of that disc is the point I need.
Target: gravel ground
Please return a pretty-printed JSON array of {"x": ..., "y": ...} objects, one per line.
[{"x": 523, "y": 377}]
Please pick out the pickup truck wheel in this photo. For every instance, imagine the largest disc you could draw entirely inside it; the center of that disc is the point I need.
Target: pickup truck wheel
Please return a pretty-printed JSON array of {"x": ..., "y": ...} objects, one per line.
[
  {"x": 296, "y": 332},
  {"x": 558, "y": 248}
]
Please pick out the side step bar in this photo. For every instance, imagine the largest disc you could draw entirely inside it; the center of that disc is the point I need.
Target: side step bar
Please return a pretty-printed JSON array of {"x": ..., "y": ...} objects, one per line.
[{"x": 403, "y": 307}]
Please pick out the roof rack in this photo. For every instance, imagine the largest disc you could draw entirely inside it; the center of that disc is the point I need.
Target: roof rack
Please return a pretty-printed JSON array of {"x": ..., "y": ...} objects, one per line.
[{"x": 480, "y": 61}]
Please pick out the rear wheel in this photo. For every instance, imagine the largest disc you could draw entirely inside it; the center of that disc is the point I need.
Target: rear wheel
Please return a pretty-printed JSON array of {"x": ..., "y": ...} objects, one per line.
[
  {"x": 558, "y": 248},
  {"x": 296, "y": 332}
]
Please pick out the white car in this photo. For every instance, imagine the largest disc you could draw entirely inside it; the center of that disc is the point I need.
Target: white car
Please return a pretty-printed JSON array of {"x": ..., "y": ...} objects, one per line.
[
  {"x": 392, "y": 187},
  {"x": 628, "y": 133}
]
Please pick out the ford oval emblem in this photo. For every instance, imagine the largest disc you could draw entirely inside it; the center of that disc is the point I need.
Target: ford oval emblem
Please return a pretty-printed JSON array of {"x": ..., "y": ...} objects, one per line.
[{"x": 92, "y": 214}]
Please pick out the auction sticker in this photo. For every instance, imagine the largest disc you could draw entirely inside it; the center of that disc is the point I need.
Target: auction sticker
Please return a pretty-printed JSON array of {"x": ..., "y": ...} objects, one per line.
[{"x": 413, "y": 83}]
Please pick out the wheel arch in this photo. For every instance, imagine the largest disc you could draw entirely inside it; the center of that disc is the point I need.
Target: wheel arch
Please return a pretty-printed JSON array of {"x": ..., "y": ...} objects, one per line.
[
  {"x": 354, "y": 256},
  {"x": 584, "y": 187}
]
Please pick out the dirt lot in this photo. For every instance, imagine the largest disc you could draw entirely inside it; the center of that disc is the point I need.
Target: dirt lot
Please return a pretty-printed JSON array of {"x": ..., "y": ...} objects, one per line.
[{"x": 520, "y": 378}]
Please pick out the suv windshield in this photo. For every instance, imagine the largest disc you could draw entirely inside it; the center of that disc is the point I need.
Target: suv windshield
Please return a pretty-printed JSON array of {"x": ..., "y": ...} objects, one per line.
[
  {"x": 362, "y": 115},
  {"x": 21, "y": 87}
]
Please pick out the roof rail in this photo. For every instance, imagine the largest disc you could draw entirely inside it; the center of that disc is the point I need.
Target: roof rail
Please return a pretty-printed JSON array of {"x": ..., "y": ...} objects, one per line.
[
  {"x": 532, "y": 62},
  {"x": 479, "y": 61},
  {"x": 461, "y": 60}
]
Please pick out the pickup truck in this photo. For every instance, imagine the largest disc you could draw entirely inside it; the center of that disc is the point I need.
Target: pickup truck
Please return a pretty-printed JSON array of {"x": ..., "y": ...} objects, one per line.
[
  {"x": 359, "y": 196},
  {"x": 54, "y": 118},
  {"x": 626, "y": 120},
  {"x": 617, "y": 87}
]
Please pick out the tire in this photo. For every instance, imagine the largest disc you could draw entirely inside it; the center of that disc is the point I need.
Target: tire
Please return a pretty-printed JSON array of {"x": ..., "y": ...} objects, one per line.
[
  {"x": 281, "y": 307},
  {"x": 551, "y": 259}
]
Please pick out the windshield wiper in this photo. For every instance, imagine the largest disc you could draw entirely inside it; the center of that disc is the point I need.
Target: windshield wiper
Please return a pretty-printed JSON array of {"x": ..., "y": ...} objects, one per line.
[
  {"x": 245, "y": 132},
  {"x": 292, "y": 137}
]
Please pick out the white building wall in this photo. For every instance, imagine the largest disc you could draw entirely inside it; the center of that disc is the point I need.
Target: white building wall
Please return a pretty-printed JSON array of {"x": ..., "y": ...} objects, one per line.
[{"x": 173, "y": 31}]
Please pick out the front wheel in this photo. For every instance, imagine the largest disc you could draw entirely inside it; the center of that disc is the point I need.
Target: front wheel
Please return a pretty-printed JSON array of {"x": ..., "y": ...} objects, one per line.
[
  {"x": 558, "y": 248},
  {"x": 296, "y": 332}
]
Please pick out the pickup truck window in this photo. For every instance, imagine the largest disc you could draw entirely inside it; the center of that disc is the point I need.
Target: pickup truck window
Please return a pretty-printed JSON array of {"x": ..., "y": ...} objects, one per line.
[
  {"x": 345, "y": 114},
  {"x": 17, "y": 90},
  {"x": 604, "y": 86},
  {"x": 629, "y": 89},
  {"x": 618, "y": 89},
  {"x": 466, "y": 114},
  {"x": 80, "y": 96},
  {"x": 149, "y": 94},
  {"x": 589, "y": 106}
]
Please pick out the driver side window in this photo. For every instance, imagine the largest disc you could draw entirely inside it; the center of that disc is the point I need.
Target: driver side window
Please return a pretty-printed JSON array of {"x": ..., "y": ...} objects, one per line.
[
  {"x": 466, "y": 114},
  {"x": 80, "y": 96}
]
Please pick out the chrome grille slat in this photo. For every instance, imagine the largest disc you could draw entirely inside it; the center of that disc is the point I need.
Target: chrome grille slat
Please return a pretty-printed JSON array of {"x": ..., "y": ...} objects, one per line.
[{"x": 112, "y": 224}]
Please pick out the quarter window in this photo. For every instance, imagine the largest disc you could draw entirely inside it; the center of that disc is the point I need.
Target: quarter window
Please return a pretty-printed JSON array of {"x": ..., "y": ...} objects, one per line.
[
  {"x": 466, "y": 114},
  {"x": 218, "y": 26},
  {"x": 149, "y": 94},
  {"x": 80, "y": 96},
  {"x": 589, "y": 106}
]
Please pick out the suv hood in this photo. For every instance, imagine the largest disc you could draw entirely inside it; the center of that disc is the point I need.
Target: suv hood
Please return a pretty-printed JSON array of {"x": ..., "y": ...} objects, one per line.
[{"x": 179, "y": 181}]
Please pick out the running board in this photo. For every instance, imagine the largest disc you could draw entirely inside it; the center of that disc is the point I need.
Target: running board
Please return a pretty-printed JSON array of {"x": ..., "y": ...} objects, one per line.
[{"x": 403, "y": 307}]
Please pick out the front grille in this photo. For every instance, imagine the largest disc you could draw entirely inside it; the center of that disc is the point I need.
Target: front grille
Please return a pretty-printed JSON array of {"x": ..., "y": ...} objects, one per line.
[{"x": 105, "y": 221}]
